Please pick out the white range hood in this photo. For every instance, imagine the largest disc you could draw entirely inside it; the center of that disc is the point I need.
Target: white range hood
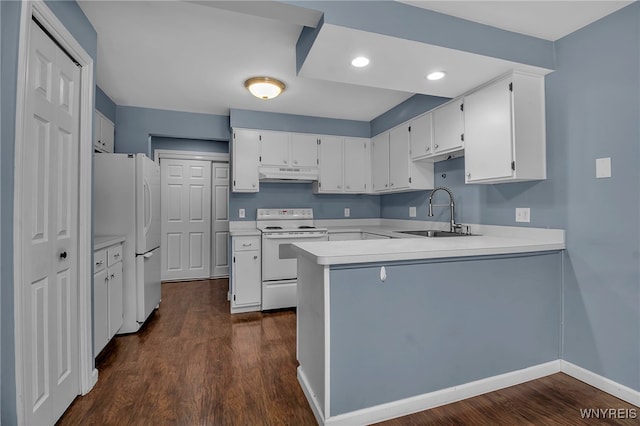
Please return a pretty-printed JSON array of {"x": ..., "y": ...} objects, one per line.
[{"x": 289, "y": 174}]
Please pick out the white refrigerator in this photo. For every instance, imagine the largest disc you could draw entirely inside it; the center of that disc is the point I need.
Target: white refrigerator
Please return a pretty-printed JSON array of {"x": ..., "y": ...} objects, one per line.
[{"x": 127, "y": 203}]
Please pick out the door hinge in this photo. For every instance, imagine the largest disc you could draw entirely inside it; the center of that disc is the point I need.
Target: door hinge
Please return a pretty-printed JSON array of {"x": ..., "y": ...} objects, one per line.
[
  {"x": 511, "y": 87},
  {"x": 234, "y": 259},
  {"x": 259, "y": 137},
  {"x": 234, "y": 135},
  {"x": 319, "y": 184},
  {"x": 234, "y": 182},
  {"x": 409, "y": 128},
  {"x": 462, "y": 137},
  {"x": 260, "y": 158},
  {"x": 461, "y": 107},
  {"x": 513, "y": 166},
  {"x": 409, "y": 179},
  {"x": 317, "y": 141},
  {"x": 234, "y": 297},
  {"x": 317, "y": 161}
]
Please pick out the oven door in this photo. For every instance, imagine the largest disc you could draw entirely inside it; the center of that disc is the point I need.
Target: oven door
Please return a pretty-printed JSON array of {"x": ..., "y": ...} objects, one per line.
[{"x": 278, "y": 258}]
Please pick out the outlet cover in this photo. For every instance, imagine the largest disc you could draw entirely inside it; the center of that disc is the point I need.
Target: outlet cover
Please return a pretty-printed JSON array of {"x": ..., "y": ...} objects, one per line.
[
  {"x": 347, "y": 212},
  {"x": 412, "y": 212},
  {"x": 241, "y": 214},
  {"x": 603, "y": 167},
  {"x": 523, "y": 214}
]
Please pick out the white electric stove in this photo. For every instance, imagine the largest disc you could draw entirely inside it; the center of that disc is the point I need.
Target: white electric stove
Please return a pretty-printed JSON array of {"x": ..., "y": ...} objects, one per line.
[{"x": 280, "y": 228}]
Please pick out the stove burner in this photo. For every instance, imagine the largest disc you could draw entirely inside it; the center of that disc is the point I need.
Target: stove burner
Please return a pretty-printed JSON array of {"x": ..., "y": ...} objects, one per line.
[
  {"x": 273, "y": 227},
  {"x": 306, "y": 227}
]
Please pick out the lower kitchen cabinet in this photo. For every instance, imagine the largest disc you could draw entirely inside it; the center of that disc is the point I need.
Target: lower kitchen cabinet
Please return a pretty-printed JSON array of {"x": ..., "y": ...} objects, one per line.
[
  {"x": 246, "y": 285},
  {"x": 107, "y": 295}
]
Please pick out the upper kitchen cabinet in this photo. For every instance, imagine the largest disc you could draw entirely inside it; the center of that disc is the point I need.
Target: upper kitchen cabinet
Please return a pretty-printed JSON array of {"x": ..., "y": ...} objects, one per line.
[
  {"x": 421, "y": 136},
  {"x": 282, "y": 149},
  {"x": 448, "y": 128},
  {"x": 343, "y": 165},
  {"x": 103, "y": 140},
  {"x": 245, "y": 160},
  {"x": 392, "y": 168},
  {"x": 505, "y": 131}
]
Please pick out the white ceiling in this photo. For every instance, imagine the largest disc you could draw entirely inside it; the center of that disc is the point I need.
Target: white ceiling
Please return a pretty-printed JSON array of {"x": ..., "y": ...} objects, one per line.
[{"x": 195, "y": 56}]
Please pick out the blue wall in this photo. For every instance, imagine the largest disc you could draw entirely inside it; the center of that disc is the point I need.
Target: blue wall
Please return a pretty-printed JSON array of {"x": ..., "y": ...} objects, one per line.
[
  {"x": 483, "y": 323},
  {"x": 105, "y": 105},
  {"x": 79, "y": 26},
  {"x": 183, "y": 144},
  {"x": 596, "y": 96},
  {"x": 135, "y": 126}
]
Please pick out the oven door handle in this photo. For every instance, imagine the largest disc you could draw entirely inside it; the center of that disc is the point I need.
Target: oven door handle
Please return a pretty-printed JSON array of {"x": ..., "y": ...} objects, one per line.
[{"x": 290, "y": 237}]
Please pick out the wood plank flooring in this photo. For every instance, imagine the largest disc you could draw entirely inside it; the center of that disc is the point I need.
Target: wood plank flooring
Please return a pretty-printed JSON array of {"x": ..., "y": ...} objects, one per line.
[{"x": 195, "y": 364}]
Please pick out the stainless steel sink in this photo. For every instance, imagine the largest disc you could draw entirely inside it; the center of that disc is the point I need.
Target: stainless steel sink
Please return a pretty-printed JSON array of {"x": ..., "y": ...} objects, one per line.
[{"x": 432, "y": 233}]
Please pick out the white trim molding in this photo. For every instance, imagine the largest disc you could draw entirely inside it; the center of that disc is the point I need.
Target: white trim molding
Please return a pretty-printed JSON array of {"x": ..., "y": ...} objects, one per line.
[
  {"x": 216, "y": 157},
  {"x": 597, "y": 381},
  {"x": 38, "y": 9},
  {"x": 429, "y": 400}
]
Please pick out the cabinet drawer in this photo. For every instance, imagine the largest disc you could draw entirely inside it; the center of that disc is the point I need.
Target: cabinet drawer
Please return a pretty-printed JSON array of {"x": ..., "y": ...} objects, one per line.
[
  {"x": 114, "y": 254},
  {"x": 246, "y": 243},
  {"x": 99, "y": 260}
]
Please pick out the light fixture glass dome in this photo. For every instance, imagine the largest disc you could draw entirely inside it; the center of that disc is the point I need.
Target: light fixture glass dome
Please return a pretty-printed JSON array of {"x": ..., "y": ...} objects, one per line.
[{"x": 264, "y": 87}]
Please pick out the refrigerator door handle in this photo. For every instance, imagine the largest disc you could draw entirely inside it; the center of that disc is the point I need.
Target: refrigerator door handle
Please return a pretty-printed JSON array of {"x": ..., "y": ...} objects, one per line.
[
  {"x": 148, "y": 255},
  {"x": 147, "y": 206}
]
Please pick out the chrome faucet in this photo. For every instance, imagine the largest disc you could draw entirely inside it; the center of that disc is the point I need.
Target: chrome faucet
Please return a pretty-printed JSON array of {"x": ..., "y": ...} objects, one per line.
[{"x": 453, "y": 227}]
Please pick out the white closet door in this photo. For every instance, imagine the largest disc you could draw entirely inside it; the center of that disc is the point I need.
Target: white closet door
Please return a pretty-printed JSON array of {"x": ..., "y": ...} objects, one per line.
[
  {"x": 49, "y": 238},
  {"x": 186, "y": 219},
  {"x": 220, "y": 222}
]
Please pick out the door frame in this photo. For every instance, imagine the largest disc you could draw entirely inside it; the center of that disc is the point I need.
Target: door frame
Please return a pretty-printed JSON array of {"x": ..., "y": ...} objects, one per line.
[{"x": 88, "y": 373}]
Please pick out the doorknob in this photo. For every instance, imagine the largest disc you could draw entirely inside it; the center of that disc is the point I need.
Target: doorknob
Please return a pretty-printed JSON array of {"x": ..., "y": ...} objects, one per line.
[{"x": 63, "y": 255}]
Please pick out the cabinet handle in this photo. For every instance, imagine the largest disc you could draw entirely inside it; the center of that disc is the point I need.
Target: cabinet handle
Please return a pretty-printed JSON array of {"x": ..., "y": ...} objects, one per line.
[
  {"x": 246, "y": 244},
  {"x": 348, "y": 187},
  {"x": 468, "y": 174},
  {"x": 436, "y": 146},
  {"x": 295, "y": 161},
  {"x": 100, "y": 263},
  {"x": 113, "y": 276},
  {"x": 428, "y": 148},
  {"x": 63, "y": 255},
  {"x": 391, "y": 184},
  {"x": 117, "y": 255},
  {"x": 285, "y": 161},
  {"x": 254, "y": 185},
  {"x": 338, "y": 186},
  {"x": 255, "y": 257}
]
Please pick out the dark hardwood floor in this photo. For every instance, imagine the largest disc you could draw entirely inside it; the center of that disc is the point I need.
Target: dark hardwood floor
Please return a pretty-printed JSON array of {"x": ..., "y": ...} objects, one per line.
[{"x": 195, "y": 364}]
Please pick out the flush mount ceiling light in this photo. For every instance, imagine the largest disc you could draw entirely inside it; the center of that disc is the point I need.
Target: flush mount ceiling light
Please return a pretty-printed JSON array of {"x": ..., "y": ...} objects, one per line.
[
  {"x": 436, "y": 75},
  {"x": 360, "y": 62},
  {"x": 264, "y": 87}
]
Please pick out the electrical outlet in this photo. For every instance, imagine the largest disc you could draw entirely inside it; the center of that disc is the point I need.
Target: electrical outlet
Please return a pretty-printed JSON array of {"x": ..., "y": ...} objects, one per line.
[
  {"x": 241, "y": 213},
  {"x": 603, "y": 167},
  {"x": 523, "y": 214},
  {"x": 412, "y": 212},
  {"x": 347, "y": 212}
]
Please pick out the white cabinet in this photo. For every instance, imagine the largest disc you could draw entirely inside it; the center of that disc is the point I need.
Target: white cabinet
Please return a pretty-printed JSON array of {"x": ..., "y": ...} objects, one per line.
[
  {"x": 343, "y": 165},
  {"x": 246, "y": 286},
  {"x": 380, "y": 162},
  {"x": 448, "y": 128},
  {"x": 421, "y": 136},
  {"x": 505, "y": 131},
  {"x": 330, "y": 164},
  {"x": 104, "y": 134},
  {"x": 107, "y": 295},
  {"x": 282, "y": 149},
  {"x": 391, "y": 166},
  {"x": 245, "y": 155}
]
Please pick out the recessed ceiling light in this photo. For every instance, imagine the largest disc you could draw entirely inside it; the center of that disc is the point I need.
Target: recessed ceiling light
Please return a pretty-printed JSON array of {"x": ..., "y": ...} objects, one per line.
[
  {"x": 436, "y": 75},
  {"x": 360, "y": 62}
]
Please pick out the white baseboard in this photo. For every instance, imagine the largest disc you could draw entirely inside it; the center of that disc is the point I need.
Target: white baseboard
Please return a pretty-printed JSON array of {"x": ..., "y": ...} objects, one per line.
[
  {"x": 313, "y": 402},
  {"x": 597, "y": 381},
  {"x": 430, "y": 400}
]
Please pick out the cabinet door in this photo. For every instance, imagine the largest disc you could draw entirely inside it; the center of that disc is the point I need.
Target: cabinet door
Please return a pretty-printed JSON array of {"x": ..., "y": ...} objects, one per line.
[
  {"x": 245, "y": 162},
  {"x": 448, "y": 127},
  {"x": 246, "y": 278},
  {"x": 356, "y": 164},
  {"x": 274, "y": 148},
  {"x": 331, "y": 164},
  {"x": 115, "y": 299},
  {"x": 488, "y": 133},
  {"x": 380, "y": 162},
  {"x": 107, "y": 134},
  {"x": 421, "y": 136},
  {"x": 100, "y": 311},
  {"x": 304, "y": 150},
  {"x": 399, "y": 157},
  {"x": 97, "y": 140}
]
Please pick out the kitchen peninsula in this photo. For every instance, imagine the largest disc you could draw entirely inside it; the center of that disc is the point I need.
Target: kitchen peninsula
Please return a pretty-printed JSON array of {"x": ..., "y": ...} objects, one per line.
[{"x": 393, "y": 326}]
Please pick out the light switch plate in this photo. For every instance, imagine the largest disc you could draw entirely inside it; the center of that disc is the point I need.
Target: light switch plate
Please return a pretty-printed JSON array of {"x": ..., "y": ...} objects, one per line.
[
  {"x": 347, "y": 212},
  {"x": 603, "y": 167},
  {"x": 523, "y": 214},
  {"x": 412, "y": 212},
  {"x": 241, "y": 213}
]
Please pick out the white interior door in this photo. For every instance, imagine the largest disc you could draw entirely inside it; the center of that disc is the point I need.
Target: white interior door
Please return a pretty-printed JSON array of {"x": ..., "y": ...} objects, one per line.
[
  {"x": 220, "y": 222},
  {"x": 49, "y": 239},
  {"x": 186, "y": 219}
]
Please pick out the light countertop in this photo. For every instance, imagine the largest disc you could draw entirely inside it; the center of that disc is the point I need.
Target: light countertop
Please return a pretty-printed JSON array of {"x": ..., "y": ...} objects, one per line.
[{"x": 102, "y": 241}]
